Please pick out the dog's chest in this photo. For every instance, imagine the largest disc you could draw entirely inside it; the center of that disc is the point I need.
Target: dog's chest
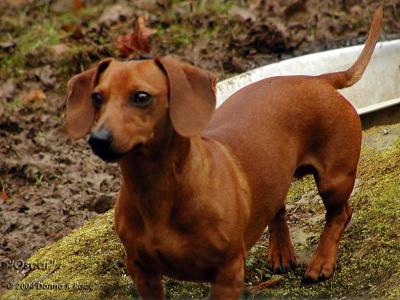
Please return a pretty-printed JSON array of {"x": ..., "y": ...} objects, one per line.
[{"x": 178, "y": 254}]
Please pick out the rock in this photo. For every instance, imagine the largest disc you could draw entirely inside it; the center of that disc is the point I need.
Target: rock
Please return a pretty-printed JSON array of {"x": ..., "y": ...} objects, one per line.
[
  {"x": 60, "y": 49},
  {"x": 8, "y": 46},
  {"x": 102, "y": 203},
  {"x": 8, "y": 89},
  {"x": 46, "y": 76},
  {"x": 115, "y": 14},
  {"x": 244, "y": 14}
]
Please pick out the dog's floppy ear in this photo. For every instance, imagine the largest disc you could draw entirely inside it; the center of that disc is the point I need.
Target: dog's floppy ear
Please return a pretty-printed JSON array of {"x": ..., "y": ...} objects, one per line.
[
  {"x": 191, "y": 96},
  {"x": 80, "y": 112}
]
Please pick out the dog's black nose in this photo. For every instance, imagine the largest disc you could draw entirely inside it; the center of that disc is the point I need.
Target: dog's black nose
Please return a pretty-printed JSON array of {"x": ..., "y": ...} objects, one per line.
[
  {"x": 100, "y": 142},
  {"x": 100, "y": 139}
]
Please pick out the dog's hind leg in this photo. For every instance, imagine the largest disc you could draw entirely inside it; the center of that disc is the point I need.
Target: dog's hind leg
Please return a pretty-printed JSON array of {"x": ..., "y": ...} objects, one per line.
[
  {"x": 281, "y": 256},
  {"x": 334, "y": 158},
  {"x": 335, "y": 191}
]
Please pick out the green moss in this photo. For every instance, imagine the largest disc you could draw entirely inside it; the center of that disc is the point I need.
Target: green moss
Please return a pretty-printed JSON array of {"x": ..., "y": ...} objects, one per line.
[
  {"x": 369, "y": 260},
  {"x": 300, "y": 187},
  {"x": 368, "y": 264},
  {"x": 32, "y": 37},
  {"x": 192, "y": 21},
  {"x": 34, "y": 31},
  {"x": 94, "y": 245},
  {"x": 180, "y": 36}
]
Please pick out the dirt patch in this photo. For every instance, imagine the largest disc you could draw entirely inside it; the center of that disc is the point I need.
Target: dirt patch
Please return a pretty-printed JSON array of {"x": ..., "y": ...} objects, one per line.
[{"x": 50, "y": 185}]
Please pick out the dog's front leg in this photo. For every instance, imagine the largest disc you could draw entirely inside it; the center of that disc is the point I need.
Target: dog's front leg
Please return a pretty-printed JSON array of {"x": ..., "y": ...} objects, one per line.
[
  {"x": 228, "y": 283},
  {"x": 149, "y": 284}
]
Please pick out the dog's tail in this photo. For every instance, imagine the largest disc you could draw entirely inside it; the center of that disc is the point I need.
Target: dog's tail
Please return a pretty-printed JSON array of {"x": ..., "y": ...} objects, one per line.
[{"x": 349, "y": 77}]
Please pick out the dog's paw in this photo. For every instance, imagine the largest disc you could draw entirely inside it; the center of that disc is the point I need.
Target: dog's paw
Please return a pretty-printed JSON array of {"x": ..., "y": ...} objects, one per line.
[
  {"x": 320, "y": 269},
  {"x": 282, "y": 260}
]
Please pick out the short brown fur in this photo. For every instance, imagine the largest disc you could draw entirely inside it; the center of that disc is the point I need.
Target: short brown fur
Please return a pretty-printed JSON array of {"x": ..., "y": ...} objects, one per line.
[{"x": 201, "y": 190}]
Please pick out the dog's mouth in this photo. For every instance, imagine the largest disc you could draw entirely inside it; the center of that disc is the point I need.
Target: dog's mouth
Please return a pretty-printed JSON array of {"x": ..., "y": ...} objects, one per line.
[
  {"x": 109, "y": 155},
  {"x": 137, "y": 147}
]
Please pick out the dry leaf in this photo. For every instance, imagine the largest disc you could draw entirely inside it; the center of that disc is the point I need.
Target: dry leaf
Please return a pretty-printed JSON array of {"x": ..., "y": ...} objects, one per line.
[
  {"x": 34, "y": 95},
  {"x": 137, "y": 42},
  {"x": 77, "y": 5},
  {"x": 295, "y": 7},
  {"x": 4, "y": 196},
  {"x": 16, "y": 3},
  {"x": 266, "y": 284}
]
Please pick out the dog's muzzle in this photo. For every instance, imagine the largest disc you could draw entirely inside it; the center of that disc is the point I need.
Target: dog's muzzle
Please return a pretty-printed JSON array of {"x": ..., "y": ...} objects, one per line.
[{"x": 101, "y": 144}]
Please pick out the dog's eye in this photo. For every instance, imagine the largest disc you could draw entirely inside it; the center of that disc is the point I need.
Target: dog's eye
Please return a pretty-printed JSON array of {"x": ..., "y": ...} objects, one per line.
[
  {"x": 97, "y": 100},
  {"x": 141, "y": 99}
]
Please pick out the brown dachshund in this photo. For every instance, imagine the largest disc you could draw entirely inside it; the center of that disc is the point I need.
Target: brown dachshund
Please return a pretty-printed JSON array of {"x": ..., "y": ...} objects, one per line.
[{"x": 197, "y": 188}]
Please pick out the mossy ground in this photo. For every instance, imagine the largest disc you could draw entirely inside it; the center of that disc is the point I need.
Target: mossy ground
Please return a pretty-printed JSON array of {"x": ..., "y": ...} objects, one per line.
[
  {"x": 368, "y": 264},
  {"x": 50, "y": 191}
]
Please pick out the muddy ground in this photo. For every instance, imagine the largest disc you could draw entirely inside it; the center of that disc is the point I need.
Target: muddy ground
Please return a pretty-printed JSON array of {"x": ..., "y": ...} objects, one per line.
[{"x": 50, "y": 185}]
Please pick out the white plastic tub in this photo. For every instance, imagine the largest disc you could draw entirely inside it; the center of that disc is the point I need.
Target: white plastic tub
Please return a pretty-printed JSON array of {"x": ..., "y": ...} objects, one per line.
[{"x": 379, "y": 87}]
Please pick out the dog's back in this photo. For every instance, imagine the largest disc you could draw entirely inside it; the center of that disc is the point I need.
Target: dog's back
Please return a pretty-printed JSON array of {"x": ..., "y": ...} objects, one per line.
[
  {"x": 275, "y": 128},
  {"x": 279, "y": 127}
]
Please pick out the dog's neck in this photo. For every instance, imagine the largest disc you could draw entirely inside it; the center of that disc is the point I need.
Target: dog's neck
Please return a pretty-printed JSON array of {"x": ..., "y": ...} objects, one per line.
[{"x": 156, "y": 176}]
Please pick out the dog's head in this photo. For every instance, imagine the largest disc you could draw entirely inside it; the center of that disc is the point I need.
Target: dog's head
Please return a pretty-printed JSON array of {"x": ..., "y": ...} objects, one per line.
[{"x": 127, "y": 104}]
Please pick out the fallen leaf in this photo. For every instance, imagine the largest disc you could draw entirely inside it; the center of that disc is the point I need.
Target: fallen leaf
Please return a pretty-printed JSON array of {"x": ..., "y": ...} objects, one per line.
[
  {"x": 4, "y": 196},
  {"x": 16, "y": 3},
  {"x": 33, "y": 95},
  {"x": 266, "y": 284},
  {"x": 147, "y": 5},
  {"x": 77, "y": 5},
  {"x": 134, "y": 43},
  {"x": 295, "y": 7}
]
